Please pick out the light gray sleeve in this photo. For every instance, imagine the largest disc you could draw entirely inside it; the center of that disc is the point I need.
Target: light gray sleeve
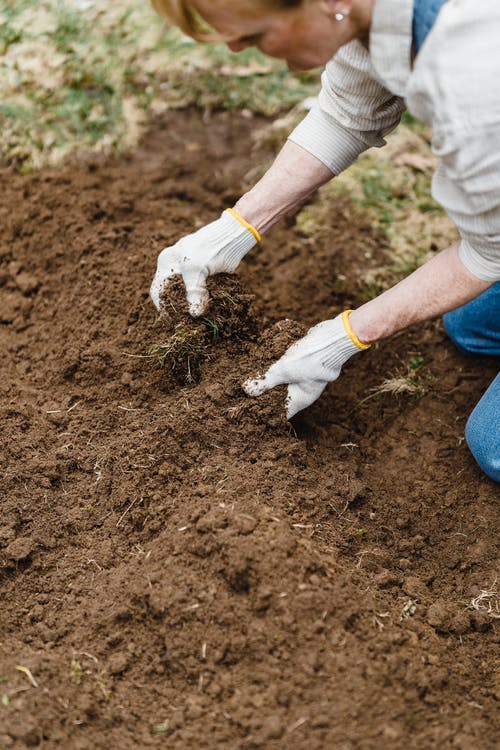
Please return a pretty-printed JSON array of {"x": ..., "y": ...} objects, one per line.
[
  {"x": 467, "y": 184},
  {"x": 483, "y": 263},
  {"x": 354, "y": 111},
  {"x": 462, "y": 103}
]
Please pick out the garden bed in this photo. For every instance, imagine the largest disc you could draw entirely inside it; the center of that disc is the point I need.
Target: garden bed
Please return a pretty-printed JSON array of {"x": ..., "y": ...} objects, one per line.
[{"x": 180, "y": 566}]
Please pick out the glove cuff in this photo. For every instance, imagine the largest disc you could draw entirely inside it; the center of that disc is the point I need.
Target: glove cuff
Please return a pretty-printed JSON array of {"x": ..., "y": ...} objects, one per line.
[
  {"x": 343, "y": 342},
  {"x": 348, "y": 329},
  {"x": 233, "y": 238},
  {"x": 244, "y": 223}
]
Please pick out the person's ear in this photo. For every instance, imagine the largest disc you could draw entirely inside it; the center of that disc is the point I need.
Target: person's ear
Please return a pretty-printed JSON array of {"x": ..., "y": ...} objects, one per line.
[{"x": 338, "y": 9}]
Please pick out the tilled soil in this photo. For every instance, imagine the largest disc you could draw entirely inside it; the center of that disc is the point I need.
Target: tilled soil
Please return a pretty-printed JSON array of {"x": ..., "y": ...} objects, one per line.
[{"x": 180, "y": 566}]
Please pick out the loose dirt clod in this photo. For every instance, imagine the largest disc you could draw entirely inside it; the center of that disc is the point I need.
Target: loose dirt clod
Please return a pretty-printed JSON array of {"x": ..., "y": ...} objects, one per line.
[
  {"x": 189, "y": 340},
  {"x": 229, "y": 313},
  {"x": 182, "y": 352},
  {"x": 20, "y": 549}
]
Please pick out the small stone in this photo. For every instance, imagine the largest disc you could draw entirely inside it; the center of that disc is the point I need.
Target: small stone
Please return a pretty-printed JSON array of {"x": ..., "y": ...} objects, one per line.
[
  {"x": 460, "y": 623},
  {"x": 386, "y": 578},
  {"x": 27, "y": 283},
  {"x": 392, "y": 732},
  {"x": 43, "y": 632},
  {"x": 272, "y": 729},
  {"x": 56, "y": 417},
  {"x": 320, "y": 722},
  {"x": 211, "y": 521},
  {"x": 10, "y": 305},
  {"x": 88, "y": 705},
  {"x": 245, "y": 524},
  {"x": 403, "y": 520},
  {"x": 14, "y": 267},
  {"x": 20, "y": 549},
  {"x": 194, "y": 708},
  {"x": 36, "y": 613},
  {"x": 214, "y": 690},
  {"x": 215, "y": 391},
  {"x": 481, "y": 621},
  {"x": 118, "y": 663},
  {"x": 415, "y": 588},
  {"x": 263, "y": 599},
  {"x": 177, "y": 719},
  {"x": 25, "y": 731},
  {"x": 7, "y": 534},
  {"x": 437, "y": 614},
  {"x": 464, "y": 741}
]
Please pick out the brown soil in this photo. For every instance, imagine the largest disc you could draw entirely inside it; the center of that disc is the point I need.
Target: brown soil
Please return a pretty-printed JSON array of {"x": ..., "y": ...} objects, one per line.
[{"x": 181, "y": 567}]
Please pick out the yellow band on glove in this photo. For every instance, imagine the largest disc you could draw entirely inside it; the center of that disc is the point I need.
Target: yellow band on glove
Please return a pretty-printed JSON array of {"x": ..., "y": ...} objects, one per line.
[
  {"x": 244, "y": 223},
  {"x": 350, "y": 332}
]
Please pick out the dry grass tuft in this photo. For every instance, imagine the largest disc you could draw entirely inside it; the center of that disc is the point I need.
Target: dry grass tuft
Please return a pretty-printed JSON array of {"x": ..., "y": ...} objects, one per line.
[
  {"x": 399, "y": 385},
  {"x": 487, "y": 601}
]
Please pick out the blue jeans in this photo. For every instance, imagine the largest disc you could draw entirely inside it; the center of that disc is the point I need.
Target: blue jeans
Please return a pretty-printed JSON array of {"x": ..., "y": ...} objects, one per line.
[{"x": 475, "y": 329}]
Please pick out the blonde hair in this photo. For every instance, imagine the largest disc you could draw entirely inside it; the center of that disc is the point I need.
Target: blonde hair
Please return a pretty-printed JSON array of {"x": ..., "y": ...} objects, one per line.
[{"x": 189, "y": 21}]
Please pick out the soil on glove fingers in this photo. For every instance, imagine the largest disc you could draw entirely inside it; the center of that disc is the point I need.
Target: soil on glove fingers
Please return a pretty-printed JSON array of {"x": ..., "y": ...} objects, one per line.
[{"x": 180, "y": 566}]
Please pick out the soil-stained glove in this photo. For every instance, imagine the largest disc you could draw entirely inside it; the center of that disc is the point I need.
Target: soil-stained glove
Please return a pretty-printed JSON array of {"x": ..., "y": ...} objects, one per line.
[
  {"x": 309, "y": 364},
  {"x": 215, "y": 248}
]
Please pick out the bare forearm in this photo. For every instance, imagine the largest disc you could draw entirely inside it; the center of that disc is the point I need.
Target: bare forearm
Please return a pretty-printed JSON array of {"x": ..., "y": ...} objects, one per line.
[
  {"x": 440, "y": 285},
  {"x": 294, "y": 175}
]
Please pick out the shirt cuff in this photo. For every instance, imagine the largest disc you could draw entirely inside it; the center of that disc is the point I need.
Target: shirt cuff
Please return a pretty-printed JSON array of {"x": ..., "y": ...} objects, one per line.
[
  {"x": 484, "y": 264},
  {"x": 324, "y": 138}
]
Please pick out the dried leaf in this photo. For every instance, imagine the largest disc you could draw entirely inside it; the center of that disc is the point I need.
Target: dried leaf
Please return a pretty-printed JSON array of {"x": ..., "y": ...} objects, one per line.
[
  {"x": 246, "y": 71},
  {"x": 418, "y": 162}
]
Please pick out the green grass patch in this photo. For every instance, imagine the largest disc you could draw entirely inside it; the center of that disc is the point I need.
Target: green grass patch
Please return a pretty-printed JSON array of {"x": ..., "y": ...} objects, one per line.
[{"x": 87, "y": 78}]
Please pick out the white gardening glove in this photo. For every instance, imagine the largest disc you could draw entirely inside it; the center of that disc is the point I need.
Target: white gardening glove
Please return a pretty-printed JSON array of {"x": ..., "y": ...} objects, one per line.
[
  {"x": 215, "y": 248},
  {"x": 309, "y": 364}
]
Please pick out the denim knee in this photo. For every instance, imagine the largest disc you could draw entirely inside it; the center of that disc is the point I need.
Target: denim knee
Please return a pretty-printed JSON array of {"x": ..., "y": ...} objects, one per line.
[
  {"x": 483, "y": 434},
  {"x": 474, "y": 328}
]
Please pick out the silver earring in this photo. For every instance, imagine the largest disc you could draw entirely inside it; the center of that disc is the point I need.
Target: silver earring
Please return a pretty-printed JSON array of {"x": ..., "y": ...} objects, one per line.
[{"x": 339, "y": 16}]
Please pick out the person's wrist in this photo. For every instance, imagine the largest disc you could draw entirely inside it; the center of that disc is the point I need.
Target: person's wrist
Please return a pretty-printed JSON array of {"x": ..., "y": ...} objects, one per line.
[
  {"x": 258, "y": 215},
  {"x": 351, "y": 332},
  {"x": 362, "y": 327}
]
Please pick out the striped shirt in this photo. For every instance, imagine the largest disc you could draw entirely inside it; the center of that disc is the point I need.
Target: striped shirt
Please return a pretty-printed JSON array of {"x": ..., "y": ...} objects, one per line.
[{"x": 453, "y": 85}]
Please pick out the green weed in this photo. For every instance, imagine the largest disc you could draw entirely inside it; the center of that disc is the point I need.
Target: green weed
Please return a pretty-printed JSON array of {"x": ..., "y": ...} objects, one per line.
[
  {"x": 409, "y": 609},
  {"x": 76, "y": 671},
  {"x": 214, "y": 329},
  {"x": 415, "y": 362}
]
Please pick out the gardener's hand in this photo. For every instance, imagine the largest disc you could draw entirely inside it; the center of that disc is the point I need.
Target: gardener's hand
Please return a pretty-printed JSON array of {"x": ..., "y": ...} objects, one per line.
[
  {"x": 215, "y": 248},
  {"x": 309, "y": 364}
]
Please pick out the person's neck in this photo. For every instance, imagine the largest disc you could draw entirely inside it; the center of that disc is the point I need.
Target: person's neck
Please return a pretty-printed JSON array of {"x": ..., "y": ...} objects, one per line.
[{"x": 361, "y": 18}]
